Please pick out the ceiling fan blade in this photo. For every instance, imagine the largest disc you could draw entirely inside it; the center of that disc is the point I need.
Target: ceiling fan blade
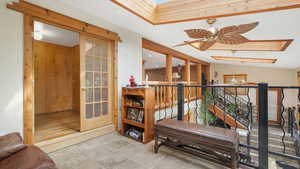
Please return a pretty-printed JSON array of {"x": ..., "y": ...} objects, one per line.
[
  {"x": 198, "y": 33},
  {"x": 239, "y": 29},
  {"x": 186, "y": 43},
  {"x": 232, "y": 39},
  {"x": 206, "y": 45}
]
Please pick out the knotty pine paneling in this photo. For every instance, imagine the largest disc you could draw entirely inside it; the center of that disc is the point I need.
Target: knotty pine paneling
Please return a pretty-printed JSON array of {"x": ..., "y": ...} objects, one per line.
[
  {"x": 76, "y": 78},
  {"x": 55, "y": 77}
]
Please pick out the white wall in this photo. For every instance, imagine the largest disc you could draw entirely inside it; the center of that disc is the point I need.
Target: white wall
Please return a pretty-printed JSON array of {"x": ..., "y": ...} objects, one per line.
[
  {"x": 11, "y": 71},
  {"x": 11, "y": 58}
]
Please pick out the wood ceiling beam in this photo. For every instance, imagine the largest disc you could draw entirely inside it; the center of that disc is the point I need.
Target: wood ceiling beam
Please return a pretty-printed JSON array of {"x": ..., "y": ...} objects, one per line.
[
  {"x": 188, "y": 10},
  {"x": 153, "y": 46},
  {"x": 254, "y": 45}
]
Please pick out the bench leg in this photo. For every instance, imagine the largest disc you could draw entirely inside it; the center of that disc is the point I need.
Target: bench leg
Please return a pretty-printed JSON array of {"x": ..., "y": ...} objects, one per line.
[{"x": 156, "y": 146}]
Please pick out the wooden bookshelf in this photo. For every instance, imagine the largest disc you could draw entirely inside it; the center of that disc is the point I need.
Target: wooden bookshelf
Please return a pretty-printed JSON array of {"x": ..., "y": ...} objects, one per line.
[{"x": 139, "y": 100}]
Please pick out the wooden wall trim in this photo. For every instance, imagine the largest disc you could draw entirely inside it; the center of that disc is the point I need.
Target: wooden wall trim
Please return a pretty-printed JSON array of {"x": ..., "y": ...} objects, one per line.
[
  {"x": 28, "y": 81},
  {"x": 150, "y": 45},
  {"x": 115, "y": 84},
  {"x": 57, "y": 18}
]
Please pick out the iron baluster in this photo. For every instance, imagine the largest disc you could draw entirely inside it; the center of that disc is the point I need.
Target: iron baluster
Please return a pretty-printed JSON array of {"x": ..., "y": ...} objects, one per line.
[
  {"x": 196, "y": 108},
  {"x": 165, "y": 100},
  {"x": 172, "y": 91},
  {"x": 188, "y": 103},
  {"x": 282, "y": 119},
  {"x": 249, "y": 125},
  {"x": 159, "y": 100},
  {"x": 235, "y": 108},
  {"x": 299, "y": 94},
  {"x": 180, "y": 100},
  {"x": 224, "y": 98},
  {"x": 214, "y": 100},
  {"x": 205, "y": 103}
]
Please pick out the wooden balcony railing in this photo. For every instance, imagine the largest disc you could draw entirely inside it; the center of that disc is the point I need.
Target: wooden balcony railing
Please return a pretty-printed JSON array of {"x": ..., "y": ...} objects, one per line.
[{"x": 166, "y": 96}]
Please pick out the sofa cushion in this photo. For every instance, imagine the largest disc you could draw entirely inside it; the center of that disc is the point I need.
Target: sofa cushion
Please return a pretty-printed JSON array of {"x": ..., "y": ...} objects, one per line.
[
  {"x": 29, "y": 158},
  {"x": 10, "y": 144}
]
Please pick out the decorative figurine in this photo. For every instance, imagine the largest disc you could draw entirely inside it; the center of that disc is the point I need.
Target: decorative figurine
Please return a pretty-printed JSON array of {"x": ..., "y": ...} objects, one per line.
[
  {"x": 132, "y": 81},
  {"x": 147, "y": 81}
]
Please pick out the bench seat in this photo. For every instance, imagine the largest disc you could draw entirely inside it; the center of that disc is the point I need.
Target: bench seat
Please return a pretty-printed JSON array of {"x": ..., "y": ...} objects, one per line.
[{"x": 212, "y": 143}]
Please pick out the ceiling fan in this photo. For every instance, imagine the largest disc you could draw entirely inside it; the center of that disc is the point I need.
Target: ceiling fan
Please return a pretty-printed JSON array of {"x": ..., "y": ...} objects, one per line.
[{"x": 227, "y": 35}]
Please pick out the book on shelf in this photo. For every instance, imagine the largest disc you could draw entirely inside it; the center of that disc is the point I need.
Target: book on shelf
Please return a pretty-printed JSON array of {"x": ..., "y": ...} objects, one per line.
[
  {"x": 134, "y": 101},
  {"x": 135, "y": 114},
  {"x": 135, "y": 134}
]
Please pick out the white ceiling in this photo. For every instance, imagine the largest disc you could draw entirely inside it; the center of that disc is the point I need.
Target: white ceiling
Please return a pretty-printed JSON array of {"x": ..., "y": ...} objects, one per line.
[
  {"x": 273, "y": 25},
  {"x": 56, "y": 35}
]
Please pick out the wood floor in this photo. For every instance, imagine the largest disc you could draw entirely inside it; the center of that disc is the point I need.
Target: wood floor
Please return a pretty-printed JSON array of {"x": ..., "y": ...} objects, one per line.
[{"x": 53, "y": 125}]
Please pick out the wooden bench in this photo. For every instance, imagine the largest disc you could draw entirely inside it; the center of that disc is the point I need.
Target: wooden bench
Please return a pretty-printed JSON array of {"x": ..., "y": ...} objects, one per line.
[{"x": 211, "y": 143}]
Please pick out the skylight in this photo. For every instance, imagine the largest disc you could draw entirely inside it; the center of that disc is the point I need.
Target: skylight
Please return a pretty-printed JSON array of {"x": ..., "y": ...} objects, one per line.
[{"x": 161, "y": 1}]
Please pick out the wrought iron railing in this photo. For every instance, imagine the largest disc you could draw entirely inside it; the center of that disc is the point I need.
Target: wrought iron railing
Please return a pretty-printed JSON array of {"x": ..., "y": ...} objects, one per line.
[
  {"x": 234, "y": 105},
  {"x": 293, "y": 127},
  {"x": 183, "y": 107}
]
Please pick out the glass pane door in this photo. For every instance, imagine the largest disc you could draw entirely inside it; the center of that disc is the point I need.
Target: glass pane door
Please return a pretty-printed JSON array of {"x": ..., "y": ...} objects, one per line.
[{"x": 95, "y": 82}]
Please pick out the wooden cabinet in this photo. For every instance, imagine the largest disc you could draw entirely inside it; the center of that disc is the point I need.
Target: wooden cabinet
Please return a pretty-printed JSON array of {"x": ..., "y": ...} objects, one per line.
[{"x": 138, "y": 113}]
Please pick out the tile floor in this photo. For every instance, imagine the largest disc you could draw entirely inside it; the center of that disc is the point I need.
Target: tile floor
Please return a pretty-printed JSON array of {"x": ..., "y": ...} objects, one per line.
[{"x": 113, "y": 151}]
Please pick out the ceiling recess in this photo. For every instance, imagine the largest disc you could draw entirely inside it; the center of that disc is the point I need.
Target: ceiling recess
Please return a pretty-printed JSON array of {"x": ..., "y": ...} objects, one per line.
[
  {"x": 253, "y": 45},
  {"x": 188, "y": 10},
  {"x": 244, "y": 59}
]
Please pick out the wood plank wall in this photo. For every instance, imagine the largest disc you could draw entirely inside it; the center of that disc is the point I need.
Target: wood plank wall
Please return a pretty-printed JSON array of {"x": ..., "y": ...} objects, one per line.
[
  {"x": 76, "y": 78},
  {"x": 56, "y": 77}
]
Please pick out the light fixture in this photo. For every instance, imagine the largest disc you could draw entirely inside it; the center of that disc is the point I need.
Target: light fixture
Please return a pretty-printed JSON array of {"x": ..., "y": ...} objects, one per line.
[
  {"x": 38, "y": 29},
  {"x": 242, "y": 59},
  {"x": 37, "y": 35},
  {"x": 212, "y": 28}
]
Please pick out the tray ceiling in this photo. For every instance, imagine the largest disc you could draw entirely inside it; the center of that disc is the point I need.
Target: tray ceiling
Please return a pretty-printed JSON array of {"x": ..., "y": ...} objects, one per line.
[{"x": 163, "y": 11}]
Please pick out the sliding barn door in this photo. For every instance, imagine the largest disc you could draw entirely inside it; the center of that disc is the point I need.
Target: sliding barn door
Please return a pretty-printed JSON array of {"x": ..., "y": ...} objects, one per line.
[{"x": 95, "y": 75}]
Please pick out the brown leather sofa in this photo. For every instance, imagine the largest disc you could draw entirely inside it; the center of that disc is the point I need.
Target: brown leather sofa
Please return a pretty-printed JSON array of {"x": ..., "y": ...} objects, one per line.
[{"x": 14, "y": 154}]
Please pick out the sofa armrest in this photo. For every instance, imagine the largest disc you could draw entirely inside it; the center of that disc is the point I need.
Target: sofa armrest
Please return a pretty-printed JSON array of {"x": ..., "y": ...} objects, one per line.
[{"x": 10, "y": 144}]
